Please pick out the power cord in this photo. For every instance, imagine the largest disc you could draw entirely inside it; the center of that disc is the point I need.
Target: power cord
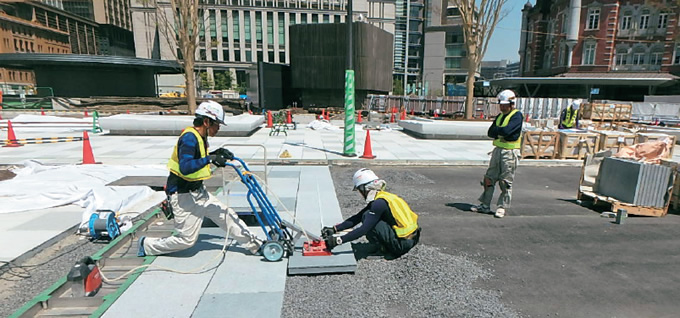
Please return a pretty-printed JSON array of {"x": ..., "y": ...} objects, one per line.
[{"x": 23, "y": 271}]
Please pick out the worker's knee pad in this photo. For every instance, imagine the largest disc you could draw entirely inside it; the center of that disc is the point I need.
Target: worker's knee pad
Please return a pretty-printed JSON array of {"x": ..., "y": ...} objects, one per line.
[{"x": 487, "y": 183}]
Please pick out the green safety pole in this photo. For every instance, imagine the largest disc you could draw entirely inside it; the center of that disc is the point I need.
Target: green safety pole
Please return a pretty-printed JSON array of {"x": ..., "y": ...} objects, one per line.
[
  {"x": 95, "y": 120},
  {"x": 348, "y": 149}
]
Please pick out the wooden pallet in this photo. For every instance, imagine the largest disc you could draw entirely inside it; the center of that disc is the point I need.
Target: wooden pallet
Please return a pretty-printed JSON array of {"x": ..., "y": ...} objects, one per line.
[
  {"x": 576, "y": 145},
  {"x": 540, "y": 144},
  {"x": 675, "y": 192},
  {"x": 586, "y": 195}
]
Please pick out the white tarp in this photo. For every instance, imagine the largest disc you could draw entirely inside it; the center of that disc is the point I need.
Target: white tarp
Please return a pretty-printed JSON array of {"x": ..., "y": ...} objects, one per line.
[
  {"x": 37, "y": 186},
  {"x": 322, "y": 125}
]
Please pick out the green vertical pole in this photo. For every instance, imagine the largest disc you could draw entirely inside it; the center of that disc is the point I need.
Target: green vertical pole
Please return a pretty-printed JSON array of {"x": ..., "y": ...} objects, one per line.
[
  {"x": 95, "y": 120},
  {"x": 348, "y": 150}
]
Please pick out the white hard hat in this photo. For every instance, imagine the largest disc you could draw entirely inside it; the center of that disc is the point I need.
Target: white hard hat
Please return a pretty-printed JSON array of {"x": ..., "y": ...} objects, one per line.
[
  {"x": 576, "y": 104},
  {"x": 363, "y": 176},
  {"x": 506, "y": 97},
  {"x": 212, "y": 110}
]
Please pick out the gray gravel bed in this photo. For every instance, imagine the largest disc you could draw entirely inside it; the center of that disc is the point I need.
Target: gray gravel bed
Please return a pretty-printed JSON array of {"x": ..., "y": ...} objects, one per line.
[
  {"x": 426, "y": 282},
  {"x": 20, "y": 285}
]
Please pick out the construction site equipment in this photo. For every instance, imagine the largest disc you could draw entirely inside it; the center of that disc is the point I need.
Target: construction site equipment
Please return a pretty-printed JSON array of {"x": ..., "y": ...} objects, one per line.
[
  {"x": 84, "y": 278},
  {"x": 577, "y": 144},
  {"x": 540, "y": 144},
  {"x": 615, "y": 140},
  {"x": 607, "y": 112},
  {"x": 103, "y": 224},
  {"x": 281, "y": 234}
]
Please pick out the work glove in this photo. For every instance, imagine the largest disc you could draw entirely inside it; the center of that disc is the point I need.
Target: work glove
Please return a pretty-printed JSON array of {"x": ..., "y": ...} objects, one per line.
[
  {"x": 224, "y": 152},
  {"x": 218, "y": 160},
  {"x": 332, "y": 242},
  {"x": 327, "y": 232}
]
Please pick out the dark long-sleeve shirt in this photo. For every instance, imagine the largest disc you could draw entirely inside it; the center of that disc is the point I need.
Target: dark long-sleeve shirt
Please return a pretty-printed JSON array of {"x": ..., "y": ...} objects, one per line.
[
  {"x": 511, "y": 132},
  {"x": 368, "y": 217},
  {"x": 190, "y": 161}
]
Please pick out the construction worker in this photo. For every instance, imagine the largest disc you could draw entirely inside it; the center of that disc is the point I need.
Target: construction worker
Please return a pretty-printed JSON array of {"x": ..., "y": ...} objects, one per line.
[
  {"x": 506, "y": 131},
  {"x": 189, "y": 165},
  {"x": 569, "y": 116},
  {"x": 386, "y": 221}
]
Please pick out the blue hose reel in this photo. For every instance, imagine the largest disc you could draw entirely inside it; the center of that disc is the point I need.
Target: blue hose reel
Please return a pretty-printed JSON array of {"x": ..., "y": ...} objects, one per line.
[{"x": 103, "y": 224}]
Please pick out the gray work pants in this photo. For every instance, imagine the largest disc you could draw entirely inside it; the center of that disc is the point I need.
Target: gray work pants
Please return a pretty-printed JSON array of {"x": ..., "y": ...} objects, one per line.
[
  {"x": 502, "y": 170},
  {"x": 189, "y": 209}
]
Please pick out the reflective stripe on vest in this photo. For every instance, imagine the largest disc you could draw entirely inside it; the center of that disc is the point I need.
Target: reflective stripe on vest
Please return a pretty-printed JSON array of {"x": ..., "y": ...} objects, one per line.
[
  {"x": 500, "y": 141},
  {"x": 173, "y": 163},
  {"x": 407, "y": 221},
  {"x": 570, "y": 119}
]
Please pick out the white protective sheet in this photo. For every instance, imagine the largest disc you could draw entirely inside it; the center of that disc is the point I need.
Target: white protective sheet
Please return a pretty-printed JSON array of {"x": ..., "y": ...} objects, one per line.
[
  {"x": 38, "y": 186},
  {"x": 321, "y": 125}
]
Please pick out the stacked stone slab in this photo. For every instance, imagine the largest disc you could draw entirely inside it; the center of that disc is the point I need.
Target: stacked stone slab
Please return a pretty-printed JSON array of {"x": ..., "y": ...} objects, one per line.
[{"x": 634, "y": 182}]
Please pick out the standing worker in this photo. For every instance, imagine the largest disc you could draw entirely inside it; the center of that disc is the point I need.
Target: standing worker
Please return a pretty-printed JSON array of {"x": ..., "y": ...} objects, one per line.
[
  {"x": 189, "y": 200},
  {"x": 569, "y": 116},
  {"x": 386, "y": 221},
  {"x": 506, "y": 131}
]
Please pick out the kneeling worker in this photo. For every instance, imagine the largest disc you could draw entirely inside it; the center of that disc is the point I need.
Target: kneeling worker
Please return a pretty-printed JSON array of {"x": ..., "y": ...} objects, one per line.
[
  {"x": 387, "y": 220},
  {"x": 190, "y": 201}
]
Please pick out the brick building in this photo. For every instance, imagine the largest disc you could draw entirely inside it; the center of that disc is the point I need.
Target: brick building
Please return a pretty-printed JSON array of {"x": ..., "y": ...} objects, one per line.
[{"x": 595, "y": 38}]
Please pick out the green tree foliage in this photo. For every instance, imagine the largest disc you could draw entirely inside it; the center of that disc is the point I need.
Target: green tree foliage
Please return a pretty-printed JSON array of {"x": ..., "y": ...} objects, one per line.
[{"x": 398, "y": 87}]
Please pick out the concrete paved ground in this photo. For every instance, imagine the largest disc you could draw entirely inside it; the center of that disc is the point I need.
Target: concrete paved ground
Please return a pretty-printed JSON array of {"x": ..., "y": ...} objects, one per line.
[{"x": 549, "y": 255}]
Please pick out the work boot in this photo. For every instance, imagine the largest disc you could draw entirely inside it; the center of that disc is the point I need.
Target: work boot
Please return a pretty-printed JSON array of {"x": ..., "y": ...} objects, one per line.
[
  {"x": 481, "y": 208},
  {"x": 140, "y": 251},
  {"x": 500, "y": 212}
]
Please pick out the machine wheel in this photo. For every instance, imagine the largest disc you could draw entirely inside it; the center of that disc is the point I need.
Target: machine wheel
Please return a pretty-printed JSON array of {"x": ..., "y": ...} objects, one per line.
[{"x": 272, "y": 251}]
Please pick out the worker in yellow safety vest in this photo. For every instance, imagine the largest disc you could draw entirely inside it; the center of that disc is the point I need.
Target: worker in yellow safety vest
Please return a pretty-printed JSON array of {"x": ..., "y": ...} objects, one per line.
[
  {"x": 569, "y": 116},
  {"x": 189, "y": 201},
  {"x": 387, "y": 221},
  {"x": 506, "y": 130}
]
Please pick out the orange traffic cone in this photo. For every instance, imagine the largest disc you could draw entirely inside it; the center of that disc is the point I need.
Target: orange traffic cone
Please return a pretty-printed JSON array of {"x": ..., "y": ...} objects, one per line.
[
  {"x": 128, "y": 111},
  {"x": 368, "y": 152},
  {"x": 359, "y": 117},
  {"x": 403, "y": 115},
  {"x": 85, "y": 112},
  {"x": 392, "y": 119},
  {"x": 12, "y": 139},
  {"x": 42, "y": 111},
  {"x": 527, "y": 120},
  {"x": 436, "y": 115},
  {"x": 270, "y": 121},
  {"x": 289, "y": 117},
  {"x": 323, "y": 114},
  {"x": 328, "y": 116},
  {"x": 88, "y": 156}
]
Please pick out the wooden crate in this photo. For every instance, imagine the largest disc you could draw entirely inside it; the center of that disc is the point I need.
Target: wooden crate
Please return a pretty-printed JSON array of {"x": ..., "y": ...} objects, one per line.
[
  {"x": 607, "y": 112},
  {"x": 615, "y": 140},
  {"x": 540, "y": 144},
  {"x": 576, "y": 145},
  {"x": 645, "y": 137}
]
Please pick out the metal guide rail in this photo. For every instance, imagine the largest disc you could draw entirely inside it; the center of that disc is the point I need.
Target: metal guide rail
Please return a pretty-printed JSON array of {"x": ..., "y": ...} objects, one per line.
[{"x": 117, "y": 258}]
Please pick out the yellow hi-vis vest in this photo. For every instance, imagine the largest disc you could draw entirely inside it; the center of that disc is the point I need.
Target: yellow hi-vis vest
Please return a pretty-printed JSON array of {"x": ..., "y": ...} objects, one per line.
[
  {"x": 173, "y": 163},
  {"x": 570, "y": 118},
  {"x": 500, "y": 141},
  {"x": 407, "y": 221}
]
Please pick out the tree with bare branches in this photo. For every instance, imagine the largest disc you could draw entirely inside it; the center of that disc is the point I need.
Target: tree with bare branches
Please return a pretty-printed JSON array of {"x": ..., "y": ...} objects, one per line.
[
  {"x": 479, "y": 19},
  {"x": 178, "y": 24}
]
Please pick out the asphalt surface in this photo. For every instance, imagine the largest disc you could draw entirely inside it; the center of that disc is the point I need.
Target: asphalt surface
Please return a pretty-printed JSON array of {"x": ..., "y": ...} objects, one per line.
[{"x": 548, "y": 257}]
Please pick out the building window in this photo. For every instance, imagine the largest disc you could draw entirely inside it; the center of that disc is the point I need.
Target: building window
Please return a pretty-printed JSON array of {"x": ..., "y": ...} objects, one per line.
[
  {"x": 547, "y": 62},
  {"x": 270, "y": 28},
  {"x": 282, "y": 57},
  {"x": 656, "y": 58},
  {"x": 527, "y": 61},
  {"x": 213, "y": 26},
  {"x": 237, "y": 55},
  {"x": 593, "y": 19},
  {"x": 530, "y": 33},
  {"x": 282, "y": 29},
  {"x": 225, "y": 55},
  {"x": 452, "y": 62},
  {"x": 201, "y": 26},
  {"x": 303, "y": 18},
  {"x": 588, "y": 53},
  {"x": 258, "y": 27},
  {"x": 626, "y": 21},
  {"x": 246, "y": 25},
  {"x": 225, "y": 23},
  {"x": 638, "y": 58},
  {"x": 237, "y": 34},
  {"x": 452, "y": 12},
  {"x": 663, "y": 20},
  {"x": 249, "y": 56},
  {"x": 270, "y": 56},
  {"x": 621, "y": 56},
  {"x": 291, "y": 18},
  {"x": 213, "y": 54},
  {"x": 565, "y": 23},
  {"x": 644, "y": 20},
  {"x": 201, "y": 55}
]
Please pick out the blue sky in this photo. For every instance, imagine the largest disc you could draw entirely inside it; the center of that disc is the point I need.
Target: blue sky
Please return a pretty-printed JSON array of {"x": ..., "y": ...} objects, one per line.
[{"x": 504, "y": 42}]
